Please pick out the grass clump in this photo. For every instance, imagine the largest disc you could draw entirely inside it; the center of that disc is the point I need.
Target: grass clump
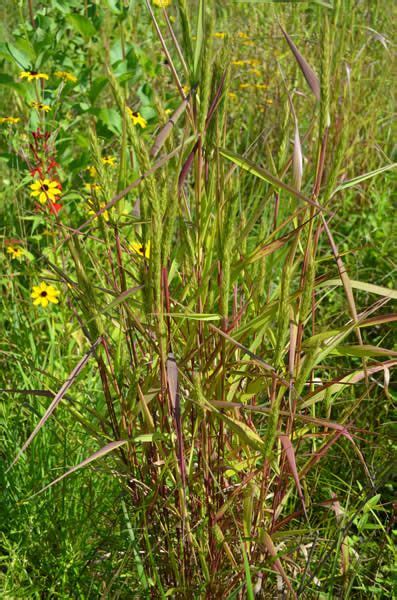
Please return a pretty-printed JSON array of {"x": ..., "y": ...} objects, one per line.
[{"x": 183, "y": 197}]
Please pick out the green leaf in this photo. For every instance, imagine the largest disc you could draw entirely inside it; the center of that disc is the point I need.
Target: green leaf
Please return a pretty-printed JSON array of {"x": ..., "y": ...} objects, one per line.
[
  {"x": 363, "y": 351},
  {"x": 345, "y": 383},
  {"x": 363, "y": 286},
  {"x": 114, "y": 6},
  {"x": 195, "y": 316},
  {"x": 146, "y": 438},
  {"x": 248, "y": 578},
  {"x": 371, "y": 504},
  {"x": 112, "y": 119},
  {"x": 81, "y": 25},
  {"x": 352, "y": 182},
  {"x": 252, "y": 168},
  {"x": 200, "y": 37},
  {"x": 244, "y": 433},
  {"x": 22, "y": 52},
  {"x": 121, "y": 298},
  {"x": 96, "y": 88},
  {"x": 140, "y": 569}
]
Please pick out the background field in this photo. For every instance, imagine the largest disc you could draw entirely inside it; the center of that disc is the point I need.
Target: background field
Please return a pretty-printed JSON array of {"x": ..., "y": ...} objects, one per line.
[{"x": 225, "y": 323}]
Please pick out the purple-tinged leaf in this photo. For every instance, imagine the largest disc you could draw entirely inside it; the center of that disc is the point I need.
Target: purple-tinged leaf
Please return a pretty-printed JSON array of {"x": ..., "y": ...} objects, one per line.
[
  {"x": 173, "y": 391},
  {"x": 98, "y": 454},
  {"x": 166, "y": 130},
  {"x": 187, "y": 166},
  {"x": 304, "y": 66},
  {"x": 290, "y": 454},
  {"x": 73, "y": 375},
  {"x": 277, "y": 566}
]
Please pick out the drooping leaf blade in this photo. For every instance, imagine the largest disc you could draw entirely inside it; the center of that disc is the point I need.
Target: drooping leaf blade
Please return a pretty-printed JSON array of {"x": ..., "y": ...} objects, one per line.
[
  {"x": 356, "y": 180},
  {"x": 98, "y": 454},
  {"x": 363, "y": 286},
  {"x": 72, "y": 377}
]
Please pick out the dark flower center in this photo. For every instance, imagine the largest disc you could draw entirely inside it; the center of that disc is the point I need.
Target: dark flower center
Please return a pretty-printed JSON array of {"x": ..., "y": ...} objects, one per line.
[
  {"x": 44, "y": 187},
  {"x": 33, "y": 72},
  {"x": 43, "y": 294},
  {"x": 141, "y": 249},
  {"x": 135, "y": 114}
]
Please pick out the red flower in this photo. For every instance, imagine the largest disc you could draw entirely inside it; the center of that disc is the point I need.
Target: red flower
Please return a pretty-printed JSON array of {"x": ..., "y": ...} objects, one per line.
[
  {"x": 55, "y": 208},
  {"x": 38, "y": 171}
]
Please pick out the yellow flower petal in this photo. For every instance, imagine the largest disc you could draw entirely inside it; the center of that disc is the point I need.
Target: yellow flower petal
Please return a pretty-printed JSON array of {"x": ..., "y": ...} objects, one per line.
[{"x": 65, "y": 76}]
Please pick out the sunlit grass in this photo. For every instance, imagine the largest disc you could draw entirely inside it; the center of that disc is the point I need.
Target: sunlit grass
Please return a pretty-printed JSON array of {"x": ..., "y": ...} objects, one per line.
[{"x": 198, "y": 301}]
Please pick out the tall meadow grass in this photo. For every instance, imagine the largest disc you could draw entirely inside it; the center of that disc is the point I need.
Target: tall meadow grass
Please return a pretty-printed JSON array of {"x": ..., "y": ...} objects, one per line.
[{"x": 210, "y": 358}]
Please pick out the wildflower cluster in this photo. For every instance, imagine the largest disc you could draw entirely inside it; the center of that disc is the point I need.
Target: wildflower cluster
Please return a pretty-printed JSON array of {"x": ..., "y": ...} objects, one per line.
[
  {"x": 251, "y": 76},
  {"x": 46, "y": 186}
]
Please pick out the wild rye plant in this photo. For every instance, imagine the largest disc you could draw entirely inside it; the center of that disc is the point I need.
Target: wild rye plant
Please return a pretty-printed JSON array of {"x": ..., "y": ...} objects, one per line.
[{"x": 200, "y": 308}]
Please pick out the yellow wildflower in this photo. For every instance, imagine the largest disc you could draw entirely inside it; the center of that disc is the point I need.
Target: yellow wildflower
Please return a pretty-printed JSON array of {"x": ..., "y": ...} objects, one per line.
[
  {"x": 105, "y": 213},
  {"x": 42, "y": 294},
  {"x": 11, "y": 120},
  {"x": 15, "y": 251},
  {"x": 92, "y": 171},
  {"x": 141, "y": 249},
  {"x": 243, "y": 86},
  {"x": 232, "y": 95},
  {"x": 40, "y": 106},
  {"x": 92, "y": 187},
  {"x": 261, "y": 86},
  {"x": 31, "y": 75},
  {"x": 137, "y": 118},
  {"x": 65, "y": 76},
  {"x": 44, "y": 190},
  {"x": 254, "y": 62},
  {"x": 255, "y": 72},
  {"x": 162, "y": 3},
  {"x": 109, "y": 160},
  {"x": 238, "y": 63},
  {"x": 242, "y": 35},
  {"x": 219, "y": 34},
  {"x": 248, "y": 43},
  {"x": 269, "y": 101}
]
